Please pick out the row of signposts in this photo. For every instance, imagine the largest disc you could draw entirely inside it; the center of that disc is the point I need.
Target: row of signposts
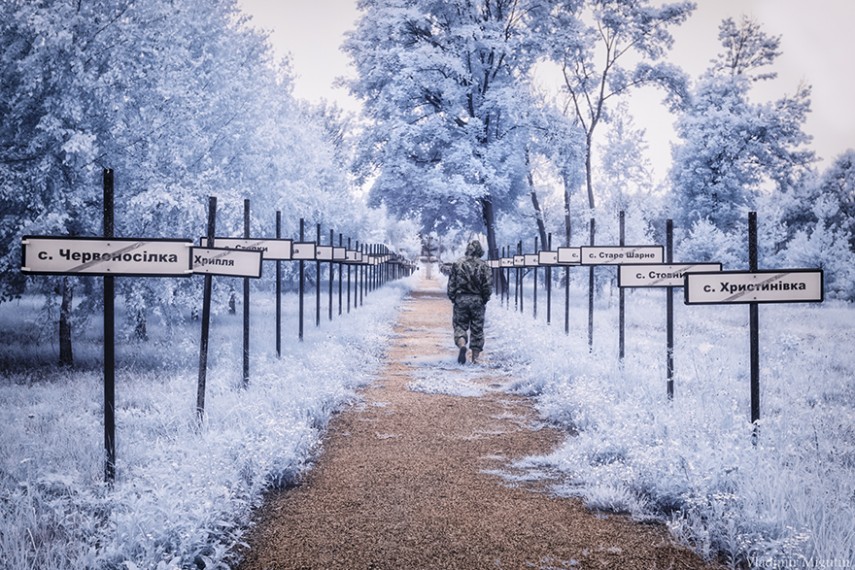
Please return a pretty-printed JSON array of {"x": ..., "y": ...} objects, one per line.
[
  {"x": 110, "y": 257},
  {"x": 703, "y": 283}
]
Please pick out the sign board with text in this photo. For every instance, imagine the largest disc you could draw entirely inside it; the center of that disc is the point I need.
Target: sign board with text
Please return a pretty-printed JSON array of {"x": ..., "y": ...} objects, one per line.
[
  {"x": 569, "y": 255},
  {"x": 271, "y": 249},
  {"x": 227, "y": 262},
  {"x": 303, "y": 250},
  {"x": 620, "y": 255},
  {"x": 99, "y": 256},
  {"x": 767, "y": 286},
  {"x": 664, "y": 275},
  {"x": 547, "y": 258}
]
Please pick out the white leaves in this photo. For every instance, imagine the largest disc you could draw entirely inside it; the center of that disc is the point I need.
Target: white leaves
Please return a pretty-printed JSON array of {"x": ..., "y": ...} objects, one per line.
[{"x": 82, "y": 144}]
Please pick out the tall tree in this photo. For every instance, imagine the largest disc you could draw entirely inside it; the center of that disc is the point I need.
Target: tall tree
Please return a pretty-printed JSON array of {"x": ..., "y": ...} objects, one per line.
[
  {"x": 732, "y": 147},
  {"x": 619, "y": 50},
  {"x": 443, "y": 83},
  {"x": 182, "y": 100}
]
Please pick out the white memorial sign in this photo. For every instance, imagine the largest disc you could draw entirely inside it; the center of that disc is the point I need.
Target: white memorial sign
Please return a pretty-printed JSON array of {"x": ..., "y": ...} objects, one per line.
[
  {"x": 547, "y": 258},
  {"x": 619, "y": 255},
  {"x": 99, "y": 256},
  {"x": 303, "y": 250},
  {"x": 271, "y": 249},
  {"x": 665, "y": 275},
  {"x": 569, "y": 255},
  {"x": 228, "y": 262},
  {"x": 767, "y": 286}
]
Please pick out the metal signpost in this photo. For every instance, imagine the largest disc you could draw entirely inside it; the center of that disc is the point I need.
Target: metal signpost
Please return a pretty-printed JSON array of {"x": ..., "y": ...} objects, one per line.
[
  {"x": 752, "y": 288},
  {"x": 661, "y": 275},
  {"x": 614, "y": 255},
  {"x": 569, "y": 255},
  {"x": 227, "y": 262},
  {"x": 271, "y": 249},
  {"x": 620, "y": 255},
  {"x": 665, "y": 275},
  {"x": 109, "y": 257},
  {"x": 96, "y": 256},
  {"x": 765, "y": 286}
]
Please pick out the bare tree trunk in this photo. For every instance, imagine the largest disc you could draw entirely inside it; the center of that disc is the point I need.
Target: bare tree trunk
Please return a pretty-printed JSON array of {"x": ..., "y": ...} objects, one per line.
[
  {"x": 589, "y": 183},
  {"x": 66, "y": 355},
  {"x": 489, "y": 217},
  {"x": 232, "y": 302},
  {"x": 568, "y": 221},
  {"x": 140, "y": 328},
  {"x": 538, "y": 213}
]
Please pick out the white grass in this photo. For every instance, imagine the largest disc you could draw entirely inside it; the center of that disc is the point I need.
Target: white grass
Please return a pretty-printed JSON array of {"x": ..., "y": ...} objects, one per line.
[
  {"x": 788, "y": 501},
  {"x": 184, "y": 494}
]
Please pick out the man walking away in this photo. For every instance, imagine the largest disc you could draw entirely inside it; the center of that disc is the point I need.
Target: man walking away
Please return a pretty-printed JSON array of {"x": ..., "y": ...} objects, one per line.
[{"x": 470, "y": 284}]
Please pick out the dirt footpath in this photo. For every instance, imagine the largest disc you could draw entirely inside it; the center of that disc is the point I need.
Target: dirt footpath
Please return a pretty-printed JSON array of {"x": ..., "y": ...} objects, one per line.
[{"x": 408, "y": 479}]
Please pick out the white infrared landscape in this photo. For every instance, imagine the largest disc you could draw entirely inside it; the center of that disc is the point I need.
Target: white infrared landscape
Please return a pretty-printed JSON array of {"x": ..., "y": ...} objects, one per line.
[{"x": 184, "y": 495}]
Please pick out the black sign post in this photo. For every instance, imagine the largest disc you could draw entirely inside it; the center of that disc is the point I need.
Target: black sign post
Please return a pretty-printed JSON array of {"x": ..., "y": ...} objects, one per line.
[
  {"x": 669, "y": 296},
  {"x": 621, "y": 296},
  {"x": 754, "y": 322},
  {"x": 317, "y": 278},
  {"x": 332, "y": 275},
  {"x": 549, "y": 283},
  {"x": 278, "y": 289},
  {"x": 302, "y": 281},
  {"x": 206, "y": 317},
  {"x": 753, "y": 287},
  {"x": 341, "y": 275},
  {"x": 246, "y": 302},
  {"x": 591, "y": 283},
  {"x": 534, "y": 280},
  {"x": 109, "y": 257},
  {"x": 567, "y": 286},
  {"x": 109, "y": 341}
]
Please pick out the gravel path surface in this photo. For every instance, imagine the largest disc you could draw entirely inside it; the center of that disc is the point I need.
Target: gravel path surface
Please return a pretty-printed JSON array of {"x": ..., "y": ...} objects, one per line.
[{"x": 408, "y": 479}]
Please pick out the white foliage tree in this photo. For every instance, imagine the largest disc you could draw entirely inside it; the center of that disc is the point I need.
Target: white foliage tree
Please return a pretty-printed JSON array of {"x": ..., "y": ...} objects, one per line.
[
  {"x": 183, "y": 101},
  {"x": 732, "y": 148},
  {"x": 444, "y": 86}
]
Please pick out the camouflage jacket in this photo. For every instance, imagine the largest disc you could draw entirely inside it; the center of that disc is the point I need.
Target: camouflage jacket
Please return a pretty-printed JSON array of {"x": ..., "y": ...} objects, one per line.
[{"x": 470, "y": 276}]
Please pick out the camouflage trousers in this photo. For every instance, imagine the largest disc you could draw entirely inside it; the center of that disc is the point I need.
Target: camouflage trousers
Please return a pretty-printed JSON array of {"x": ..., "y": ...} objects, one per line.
[{"x": 468, "y": 316}]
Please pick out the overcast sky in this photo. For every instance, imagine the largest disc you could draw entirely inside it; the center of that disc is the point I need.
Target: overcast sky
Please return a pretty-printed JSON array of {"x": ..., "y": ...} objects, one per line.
[{"x": 816, "y": 40}]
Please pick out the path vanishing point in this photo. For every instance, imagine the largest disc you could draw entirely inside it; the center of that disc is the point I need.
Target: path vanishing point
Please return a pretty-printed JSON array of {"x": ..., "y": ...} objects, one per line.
[{"x": 411, "y": 480}]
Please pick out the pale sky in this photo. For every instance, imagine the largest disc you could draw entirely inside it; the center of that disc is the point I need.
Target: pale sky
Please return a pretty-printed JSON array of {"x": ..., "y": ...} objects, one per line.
[{"x": 817, "y": 39}]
